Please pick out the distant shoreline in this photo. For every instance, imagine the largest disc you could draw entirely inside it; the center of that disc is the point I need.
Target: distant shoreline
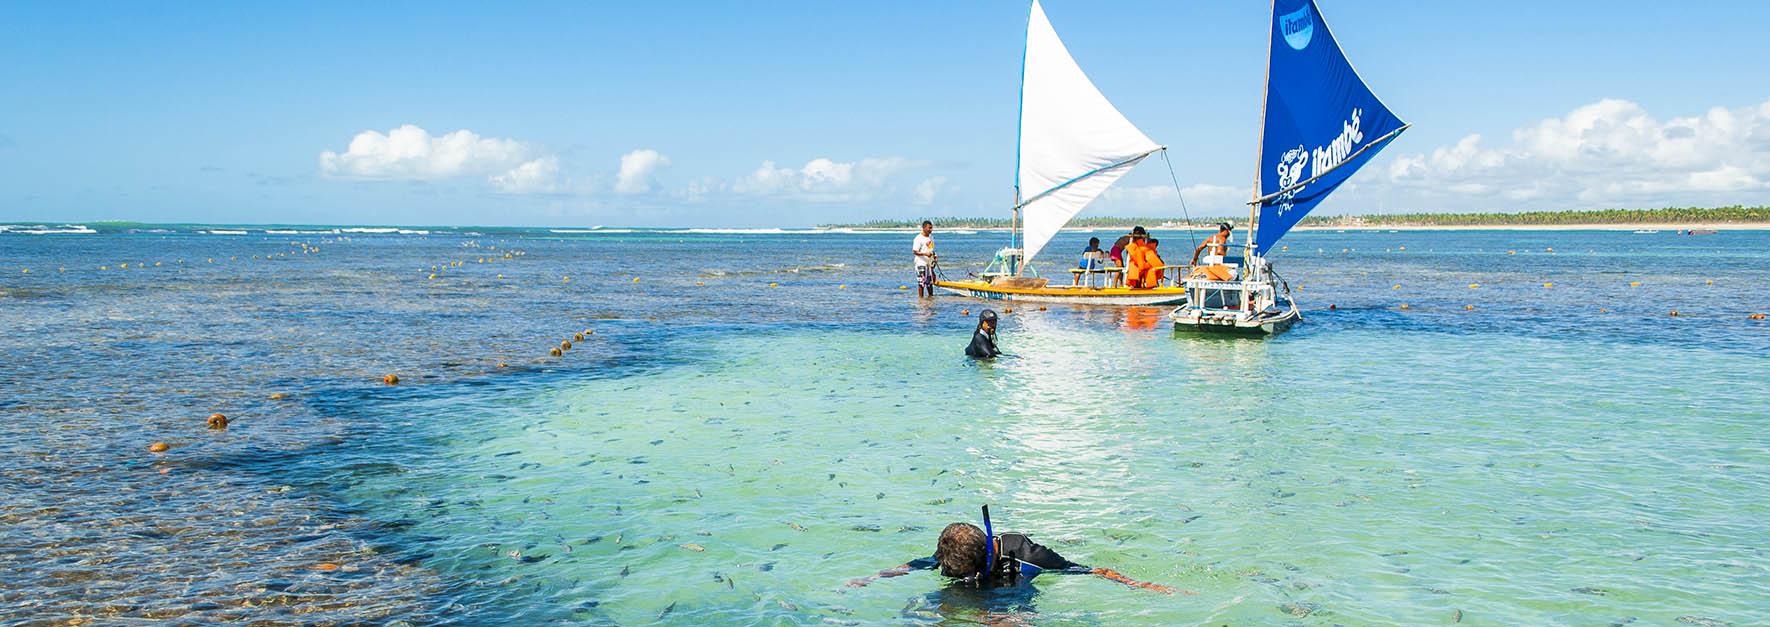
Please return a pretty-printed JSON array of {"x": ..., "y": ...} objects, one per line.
[{"x": 1718, "y": 226}]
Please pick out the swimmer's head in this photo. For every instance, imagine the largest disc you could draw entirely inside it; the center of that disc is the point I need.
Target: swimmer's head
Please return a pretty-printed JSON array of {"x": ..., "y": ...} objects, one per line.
[
  {"x": 987, "y": 320},
  {"x": 962, "y": 551}
]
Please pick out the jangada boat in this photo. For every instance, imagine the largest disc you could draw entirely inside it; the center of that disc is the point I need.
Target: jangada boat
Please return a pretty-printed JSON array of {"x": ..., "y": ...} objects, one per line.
[
  {"x": 1321, "y": 123},
  {"x": 1073, "y": 145}
]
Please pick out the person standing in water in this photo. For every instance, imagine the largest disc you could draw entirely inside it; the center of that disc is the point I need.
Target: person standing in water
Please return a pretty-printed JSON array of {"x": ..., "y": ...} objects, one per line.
[
  {"x": 983, "y": 340},
  {"x": 923, "y": 247}
]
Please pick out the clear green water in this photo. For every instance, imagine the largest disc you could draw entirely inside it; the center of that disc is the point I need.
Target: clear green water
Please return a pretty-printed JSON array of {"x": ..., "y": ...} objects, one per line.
[
  {"x": 1556, "y": 455},
  {"x": 1348, "y": 478}
]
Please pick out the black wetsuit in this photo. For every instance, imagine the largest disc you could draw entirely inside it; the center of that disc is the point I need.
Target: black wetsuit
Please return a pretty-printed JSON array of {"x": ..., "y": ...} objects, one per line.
[
  {"x": 1017, "y": 549},
  {"x": 982, "y": 345}
]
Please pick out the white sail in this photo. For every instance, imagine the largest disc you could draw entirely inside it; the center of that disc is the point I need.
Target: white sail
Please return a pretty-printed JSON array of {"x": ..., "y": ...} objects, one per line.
[{"x": 1073, "y": 143}]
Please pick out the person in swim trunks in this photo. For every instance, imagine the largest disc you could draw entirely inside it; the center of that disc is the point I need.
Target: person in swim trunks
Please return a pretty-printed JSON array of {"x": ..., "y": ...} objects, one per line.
[
  {"x": 923, "y": 247},
  {"x": 977, "y": 557}
]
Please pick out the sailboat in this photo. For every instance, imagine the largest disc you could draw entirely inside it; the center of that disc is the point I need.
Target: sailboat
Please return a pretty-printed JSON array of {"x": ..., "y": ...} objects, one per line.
[
  {"x": 1073, "y": 145},
  {"x": 1321, "y": 124}
]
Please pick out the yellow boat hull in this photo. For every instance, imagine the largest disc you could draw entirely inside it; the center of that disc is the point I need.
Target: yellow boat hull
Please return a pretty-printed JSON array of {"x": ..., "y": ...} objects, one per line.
[{"x": 1066, "y": 294}]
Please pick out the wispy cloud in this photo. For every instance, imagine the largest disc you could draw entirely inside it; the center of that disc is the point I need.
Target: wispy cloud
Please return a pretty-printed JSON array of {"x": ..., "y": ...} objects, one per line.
[
  {"x": 928, "y": 190},
  {"x": 823, "y": 179},
  {"x": 1608, "y": 153},
  {"x": 637, "y": 170},
  {"x": 538, "y": 176}
]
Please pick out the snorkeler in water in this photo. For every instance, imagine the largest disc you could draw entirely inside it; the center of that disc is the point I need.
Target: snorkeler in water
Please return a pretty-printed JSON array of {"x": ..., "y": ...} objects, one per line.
[
  {"x": 981, "y": 558},
  {"x": 983, "y": 340}
]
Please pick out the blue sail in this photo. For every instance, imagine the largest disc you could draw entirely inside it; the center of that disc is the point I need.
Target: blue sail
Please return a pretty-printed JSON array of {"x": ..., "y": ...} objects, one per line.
[{"x": 1322, "y": 122}]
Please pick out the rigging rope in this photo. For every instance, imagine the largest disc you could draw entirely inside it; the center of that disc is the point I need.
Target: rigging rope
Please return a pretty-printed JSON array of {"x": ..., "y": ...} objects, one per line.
[{"x": 1191, "y": 234}]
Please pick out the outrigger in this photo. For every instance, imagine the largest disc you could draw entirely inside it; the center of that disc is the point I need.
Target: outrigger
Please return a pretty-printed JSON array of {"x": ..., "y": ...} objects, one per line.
[
  {"x": 1313, "y": 98},
  {"x": 1073, "y": 145}
]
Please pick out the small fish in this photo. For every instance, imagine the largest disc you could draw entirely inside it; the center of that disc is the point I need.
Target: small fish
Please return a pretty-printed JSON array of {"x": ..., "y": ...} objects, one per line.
[
  {"x": 667, "y": 610},
  {"x": 765, "y": 566},
  {"x": 879, "y": 497},
  {"x": 618, "y": 538},
  {"x": 1591, "y": 590},
  {"x": 777, "y": 547},
  {"x": 693, "y": 547},
  {"x": 796, "y": 526},
  {"x": 786, "y": 606},
  {"x": 626, "y": 570},
  {"x": 871, "y": 528},
  {"x": 1456, "y": 616}
]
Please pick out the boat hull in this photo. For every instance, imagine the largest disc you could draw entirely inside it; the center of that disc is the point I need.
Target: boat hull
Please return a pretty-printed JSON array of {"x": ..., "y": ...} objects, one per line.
[
  {"x": 1067, "y": 295},
  {"x": 1186, "y": 321}
]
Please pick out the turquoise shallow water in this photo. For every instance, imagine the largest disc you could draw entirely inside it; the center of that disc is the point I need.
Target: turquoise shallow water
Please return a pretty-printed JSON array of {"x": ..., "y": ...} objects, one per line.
[{"x": 1532, "y": 461}]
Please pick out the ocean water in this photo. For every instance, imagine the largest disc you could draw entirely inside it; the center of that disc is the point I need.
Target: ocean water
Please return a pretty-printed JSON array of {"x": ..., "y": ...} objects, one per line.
[{"x": 762, "y": 416}]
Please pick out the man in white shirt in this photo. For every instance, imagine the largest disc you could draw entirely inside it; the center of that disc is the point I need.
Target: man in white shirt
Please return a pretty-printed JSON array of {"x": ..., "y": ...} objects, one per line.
[{"x": 923, "y": 247}]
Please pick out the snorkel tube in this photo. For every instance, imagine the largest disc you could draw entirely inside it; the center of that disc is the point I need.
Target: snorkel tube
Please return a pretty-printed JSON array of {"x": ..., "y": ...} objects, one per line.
[{"x": 989, "y": 549}]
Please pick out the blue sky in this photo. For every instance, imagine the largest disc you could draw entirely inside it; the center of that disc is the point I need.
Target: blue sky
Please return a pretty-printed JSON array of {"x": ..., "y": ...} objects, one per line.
[{"x": 796, "y": 113}]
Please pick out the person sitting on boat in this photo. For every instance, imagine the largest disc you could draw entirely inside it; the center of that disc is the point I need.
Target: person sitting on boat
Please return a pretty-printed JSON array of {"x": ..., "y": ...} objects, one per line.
[
  {"x": 1217, "y": 245},
  {"x": 923, "y": 247},
  {"x": 1117, "y": 253},
  {"x": 983, "y": 340},
  {"x": 1093, "y": 260},
  {"x": 977, "y": 557}
]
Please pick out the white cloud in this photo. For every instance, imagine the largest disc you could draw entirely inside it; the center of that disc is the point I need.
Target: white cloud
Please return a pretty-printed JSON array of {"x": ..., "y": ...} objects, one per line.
[
  {"x": 532, "y": 177},
  {"x": 823, "y": 180},
  {"x": 928, "y": 189},
  {"x": 1611, "y": 153},
  {"x": 411, "y": 153},
  {"x": 637, "y": 170}
]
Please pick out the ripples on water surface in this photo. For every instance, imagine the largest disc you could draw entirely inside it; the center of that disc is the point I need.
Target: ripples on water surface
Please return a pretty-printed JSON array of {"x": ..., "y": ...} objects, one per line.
[{"x": 720, "y": 451}]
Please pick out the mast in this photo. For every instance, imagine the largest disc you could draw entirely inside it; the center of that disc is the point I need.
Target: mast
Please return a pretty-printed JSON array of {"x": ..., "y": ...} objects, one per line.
[{"x": 1260, "y": 145}]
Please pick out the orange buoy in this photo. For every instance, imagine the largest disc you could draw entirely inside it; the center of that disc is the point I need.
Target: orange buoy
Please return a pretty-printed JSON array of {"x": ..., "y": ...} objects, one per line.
[
  {"x": 503, "y": 365},
  {"x": 964, "y": 312},
  {"x": 565, "y": 345},
  {"x": 325, "y": 567},
  {"x": 1634, "y": 284},
  {"x": 391, "y": 379},
  {"x": 1007, "y": 310},
  {"x": 1548, "y": 285},
  {"x": 1468, "y": 308},
  {"x": 1041, "y": 307},
  {"x": 1756, "y": 316},
  {"x": 277, "y": 396},
  {"x": 1474, "y": 285},
  {"x": 578, "y": 337},
  {"x": 1404, "y": 305},
  {"x": 1603, "y": 310},
  {"x": 217, "y": 422},
  {"x": 1396, "y": 286},
  {"x": 1332, "y": 307},
  {"x": 555, "y": 352},
  {"x": 1674, "y": 313},
  {"x": 158, "y": 447}
]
